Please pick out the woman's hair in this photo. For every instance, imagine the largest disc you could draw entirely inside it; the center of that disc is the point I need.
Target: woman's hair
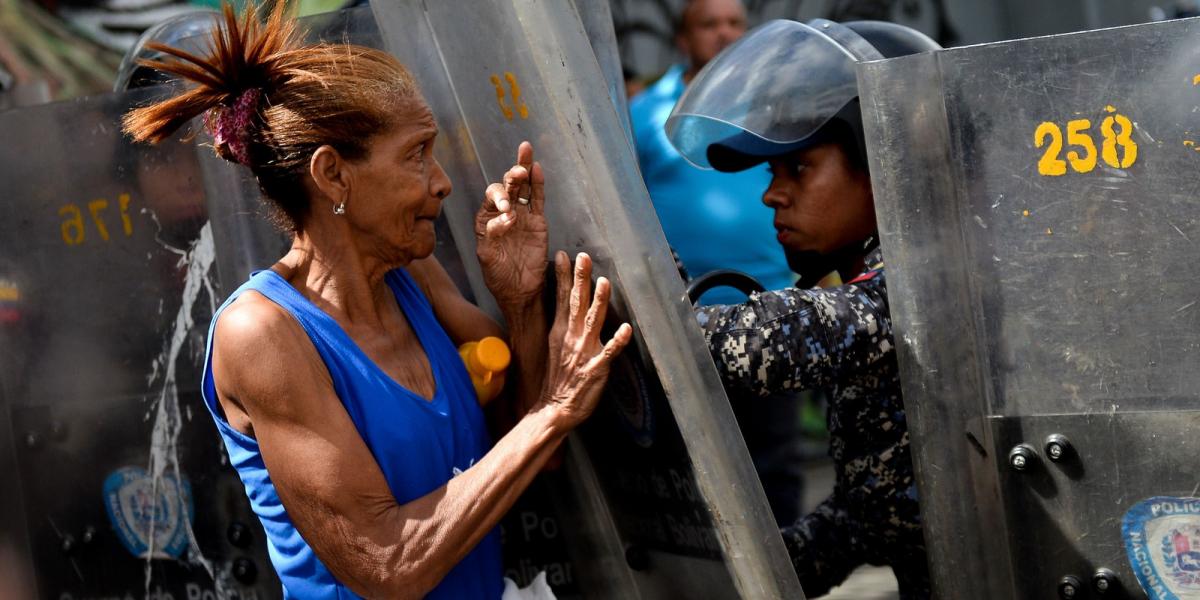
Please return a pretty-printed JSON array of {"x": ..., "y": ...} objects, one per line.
[{"x": 271, "y": 101}]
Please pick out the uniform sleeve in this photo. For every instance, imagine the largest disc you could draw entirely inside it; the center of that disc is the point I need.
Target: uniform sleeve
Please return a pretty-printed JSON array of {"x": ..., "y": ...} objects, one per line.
[
  {"x": 797, "y": 339},
  {"x": 683, "y": 273}
]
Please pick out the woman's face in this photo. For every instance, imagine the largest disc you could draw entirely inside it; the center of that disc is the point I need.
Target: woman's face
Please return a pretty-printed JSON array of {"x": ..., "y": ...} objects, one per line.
[
  {"x": 822, "y": 202},
  {"x": 398, "y": 188}
]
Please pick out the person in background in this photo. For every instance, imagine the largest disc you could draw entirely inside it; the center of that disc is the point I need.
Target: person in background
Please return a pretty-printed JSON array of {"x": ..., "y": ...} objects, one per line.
[
  {"x": 787, "y": 95},
  {"x": 712, "y": 221},
  {"x": 634, "y": 85},
  {"x": 703, "y": 213}
]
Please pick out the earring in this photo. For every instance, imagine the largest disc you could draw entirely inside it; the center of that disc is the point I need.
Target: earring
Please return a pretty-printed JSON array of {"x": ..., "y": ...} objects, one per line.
[{"x": 340, "y": 208}]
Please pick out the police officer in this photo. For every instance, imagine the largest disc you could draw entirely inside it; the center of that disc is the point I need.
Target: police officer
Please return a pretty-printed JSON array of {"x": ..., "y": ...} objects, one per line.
[{"x": 786, "y": 95}]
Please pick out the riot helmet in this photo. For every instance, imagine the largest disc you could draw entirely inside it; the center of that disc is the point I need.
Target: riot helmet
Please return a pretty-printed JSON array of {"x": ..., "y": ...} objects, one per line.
[
  {"x": 188, "y": 31},
  {"x": 775, "y": 90},
  {"x": 784, "y": 87}
]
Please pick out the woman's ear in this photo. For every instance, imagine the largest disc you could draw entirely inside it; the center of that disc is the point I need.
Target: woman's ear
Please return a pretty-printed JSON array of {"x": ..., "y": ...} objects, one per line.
[{"x": 331, "y": 173}]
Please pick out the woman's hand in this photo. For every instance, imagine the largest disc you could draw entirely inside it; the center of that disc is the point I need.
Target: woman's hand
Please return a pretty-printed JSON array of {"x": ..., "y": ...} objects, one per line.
[
  {"x": 510, "y": 233},
  {"x": 578, "y": 364}
]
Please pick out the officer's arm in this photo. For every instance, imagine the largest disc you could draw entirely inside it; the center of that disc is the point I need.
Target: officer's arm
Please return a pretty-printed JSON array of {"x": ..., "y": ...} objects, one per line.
[{"x": 798, "y": 339}]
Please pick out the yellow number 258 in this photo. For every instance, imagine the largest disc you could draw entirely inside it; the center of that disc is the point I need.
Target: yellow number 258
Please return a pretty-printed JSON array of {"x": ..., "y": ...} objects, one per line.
[{"x": 1083, "y": 159}]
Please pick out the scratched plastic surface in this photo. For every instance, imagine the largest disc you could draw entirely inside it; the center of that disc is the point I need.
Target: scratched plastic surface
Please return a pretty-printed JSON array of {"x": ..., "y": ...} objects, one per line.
[
  {"x": 1037, "y": 205},
  {"x": 104, "y": 303},
  {"x": 661, "y": 478},
  {"x": 106, "y": 284},
  {"x": 1080, "y": 281}
]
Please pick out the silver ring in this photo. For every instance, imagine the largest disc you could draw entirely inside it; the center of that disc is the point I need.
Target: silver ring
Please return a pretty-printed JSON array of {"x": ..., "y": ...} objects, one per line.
[{"x": 522, "y": 201}]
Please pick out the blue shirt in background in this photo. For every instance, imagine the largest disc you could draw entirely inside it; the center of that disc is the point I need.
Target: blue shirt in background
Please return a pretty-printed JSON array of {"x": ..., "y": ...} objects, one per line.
[{"x": 713, "y": 220}]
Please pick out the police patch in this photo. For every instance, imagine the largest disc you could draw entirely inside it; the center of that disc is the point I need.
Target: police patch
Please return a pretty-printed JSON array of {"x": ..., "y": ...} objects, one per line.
[
  {"x": 627, "y": 390},
  {"x": 136, "y": 507},
  {"x": 1162, "y": 539}
]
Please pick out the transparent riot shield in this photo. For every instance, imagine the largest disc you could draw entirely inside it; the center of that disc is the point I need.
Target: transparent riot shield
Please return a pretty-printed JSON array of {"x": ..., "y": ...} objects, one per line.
[
  {"x": 116, "y": 484},
  {"x": 1037, "y": 205},
  {"x": 597, "y": 19},
  {"x": 660, "y": 498},
  {"x": 114, "y": 256}
]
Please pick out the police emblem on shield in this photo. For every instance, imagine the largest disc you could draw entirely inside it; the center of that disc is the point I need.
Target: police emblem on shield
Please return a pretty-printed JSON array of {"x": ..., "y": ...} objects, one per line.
[
  {"x": 1181, "y": 555},
  {"x": 1162, "y": 540},
  {"x": 150, "y": 518},
  {"x": 627, "y": 390}
]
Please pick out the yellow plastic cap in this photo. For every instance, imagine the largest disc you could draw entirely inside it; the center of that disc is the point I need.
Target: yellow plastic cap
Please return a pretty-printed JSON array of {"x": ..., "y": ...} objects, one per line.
[{"x": 492, "y": 354}]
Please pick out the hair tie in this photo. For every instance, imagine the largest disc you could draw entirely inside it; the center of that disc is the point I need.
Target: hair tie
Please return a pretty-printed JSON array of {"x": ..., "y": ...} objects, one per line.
[{"x": 231, "y": 125}]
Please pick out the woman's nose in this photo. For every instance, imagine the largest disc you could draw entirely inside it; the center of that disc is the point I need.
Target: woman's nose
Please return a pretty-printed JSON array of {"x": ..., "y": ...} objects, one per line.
[{"x": 440, "y": 184}]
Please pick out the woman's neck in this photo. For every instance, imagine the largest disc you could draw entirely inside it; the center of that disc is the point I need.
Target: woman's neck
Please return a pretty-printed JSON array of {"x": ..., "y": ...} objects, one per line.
[{"x": 337, "y": 276}]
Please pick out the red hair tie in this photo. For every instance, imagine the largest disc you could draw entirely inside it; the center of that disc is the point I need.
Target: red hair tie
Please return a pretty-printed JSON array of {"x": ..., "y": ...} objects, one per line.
[{"x": 231, "y": 125}]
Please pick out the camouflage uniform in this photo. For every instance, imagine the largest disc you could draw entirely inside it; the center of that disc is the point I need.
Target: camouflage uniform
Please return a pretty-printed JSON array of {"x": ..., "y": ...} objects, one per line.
[{"x": 840, "y": 340}]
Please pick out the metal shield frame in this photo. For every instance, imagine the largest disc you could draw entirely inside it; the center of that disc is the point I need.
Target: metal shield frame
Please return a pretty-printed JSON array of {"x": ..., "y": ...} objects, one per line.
[{"x": 1028, "y": 304}]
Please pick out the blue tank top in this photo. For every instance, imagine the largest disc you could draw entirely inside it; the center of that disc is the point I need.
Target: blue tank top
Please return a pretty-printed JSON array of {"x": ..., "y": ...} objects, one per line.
[{"x": 418, "y": 444}]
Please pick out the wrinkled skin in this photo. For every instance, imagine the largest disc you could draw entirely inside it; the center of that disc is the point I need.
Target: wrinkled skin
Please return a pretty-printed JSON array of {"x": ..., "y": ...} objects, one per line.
[{"x": 511, "y": 236}]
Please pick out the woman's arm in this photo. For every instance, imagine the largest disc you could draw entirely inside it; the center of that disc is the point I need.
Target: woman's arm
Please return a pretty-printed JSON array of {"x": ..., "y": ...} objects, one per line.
[
  {"x": 271, "y": 378},
  {"x": 464, "y": 322},
  {"x": 797, "y": 339},
  {"x": 512, "y": 243}
]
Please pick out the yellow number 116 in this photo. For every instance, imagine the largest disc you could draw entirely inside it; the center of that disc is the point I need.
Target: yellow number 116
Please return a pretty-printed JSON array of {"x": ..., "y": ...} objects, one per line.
[{"x": 73, "y": 230}]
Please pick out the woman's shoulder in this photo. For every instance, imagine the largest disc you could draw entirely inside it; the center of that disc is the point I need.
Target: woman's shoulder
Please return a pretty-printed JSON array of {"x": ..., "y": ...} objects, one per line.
[
  {"x": 262, "y": 355},
  {"x": 253, "y": 324},
  {"x": 428, "y": 275},
  {"x": 421, "y": 273}
]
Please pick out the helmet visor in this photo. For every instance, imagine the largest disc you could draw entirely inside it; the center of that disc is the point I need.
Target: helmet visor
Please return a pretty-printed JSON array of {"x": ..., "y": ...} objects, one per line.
[
  {"x": 779, "y": 84},
  {"x": 190, "y": 31}
]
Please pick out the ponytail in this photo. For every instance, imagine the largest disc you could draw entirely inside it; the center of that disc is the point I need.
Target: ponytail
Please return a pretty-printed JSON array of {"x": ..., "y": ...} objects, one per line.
[
  {"x": 269, "y": 101},
  {"x": 242, "y": 59}
]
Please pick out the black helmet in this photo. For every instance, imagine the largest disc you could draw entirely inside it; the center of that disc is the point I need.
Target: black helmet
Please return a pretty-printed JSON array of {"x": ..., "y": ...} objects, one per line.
[
  {"x": 188, "y": 31},
  {"x": 776, "y": 90}
]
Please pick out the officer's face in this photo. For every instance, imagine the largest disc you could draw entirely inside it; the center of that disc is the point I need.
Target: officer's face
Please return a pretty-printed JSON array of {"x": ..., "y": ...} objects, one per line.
[
  {"x": 708, "y": 26},
  {"x": 822, "y": 202}
]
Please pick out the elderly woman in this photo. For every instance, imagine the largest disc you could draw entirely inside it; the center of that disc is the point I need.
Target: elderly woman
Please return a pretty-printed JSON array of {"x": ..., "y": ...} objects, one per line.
[{"x": 333, "y": 376}]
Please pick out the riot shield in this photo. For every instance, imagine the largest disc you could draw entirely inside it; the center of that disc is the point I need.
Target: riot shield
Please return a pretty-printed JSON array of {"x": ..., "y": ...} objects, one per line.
[
  {"x": 1037, "y": 211},
  {"x": 663, "y": 499},
  {"x": 597, "y": 19},
  {"x": 115, "y": 482},
  {"x": 113, "y": 257}
]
